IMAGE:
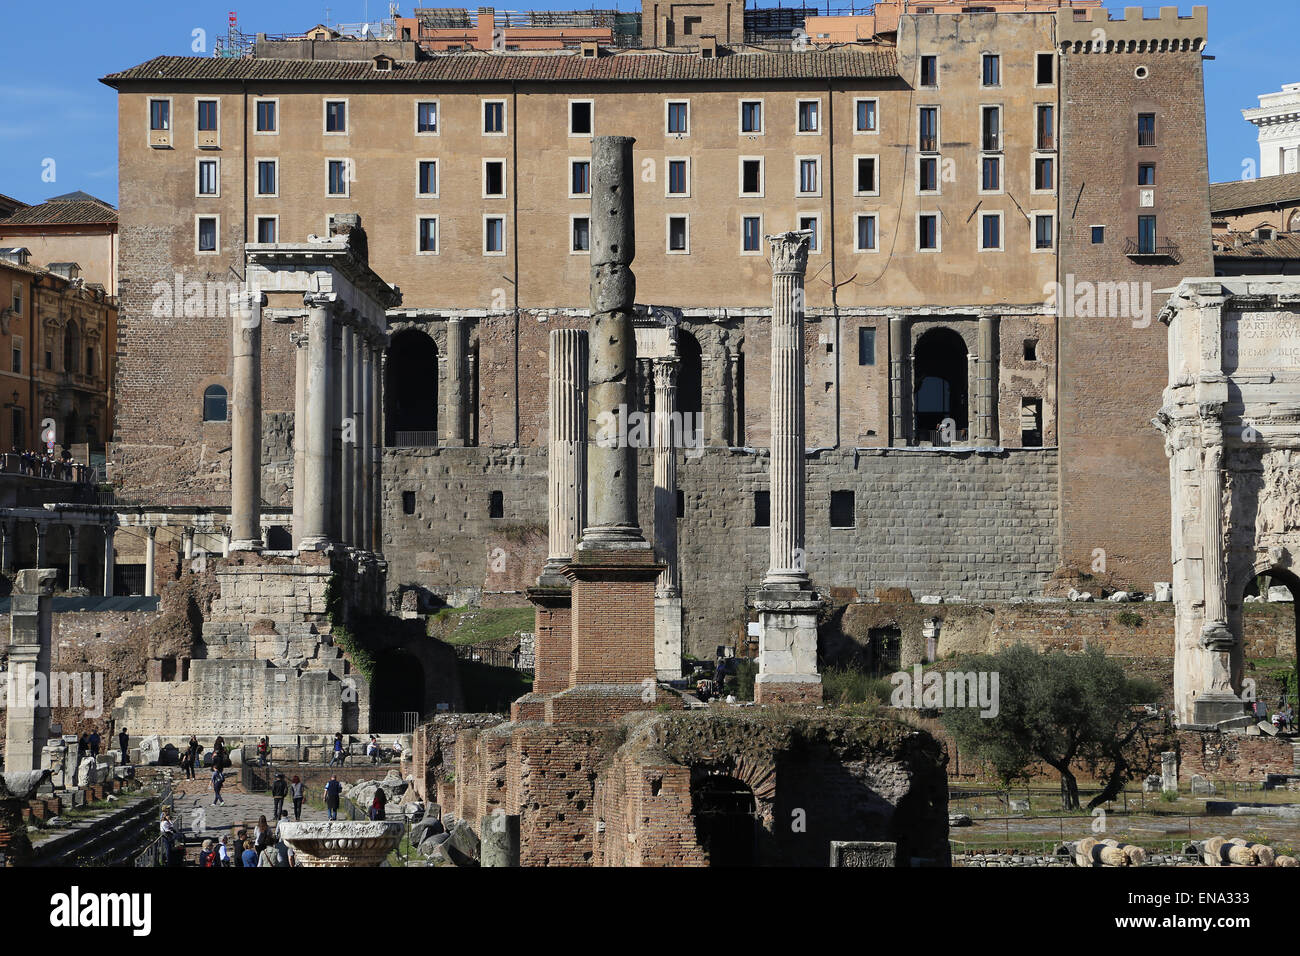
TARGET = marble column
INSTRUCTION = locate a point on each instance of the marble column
(334, 463)
(986, 384)
(454, 406)
(668, 591)
(109, 531)
(376, 446)
(150, 557)
(347, 445)
(320, 385)
(8, 542)
(360, 448)
(787, 605)
(187, 543)
(737, 380)
(225, 542)
(899, 414)
(39, 528)
(246, 420)
(74, 578)
(365, 445)
(1217, 701)
(27, 727)
(299, 342)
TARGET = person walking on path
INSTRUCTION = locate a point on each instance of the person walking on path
(261, 834)
(249, 856)
(337, 758)
(298, 791)
(218, 778)
(378, 804)
(94, 743)
(122, 741)
(333, 790)
(279, 790)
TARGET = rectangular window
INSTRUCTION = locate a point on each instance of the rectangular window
(336, 116)
(494, 178)
(1031, 422)
(991, 129)
(809, 224)
(1146, 129)
(752, 234)
(1147, 174)
(494, 117)
(1147, 235)
(1044, 174)
(842, 509)
(808, 177)
(929, 71)
(1045, 69)
(991, 174)
(866, 232)
(494, 235)
(1043, 232)
(426, 117)
(679, 117)
(762, 509)
(160, 115)
(428, 184)
(581, 234)
(408, 502)
(1045, 127)
(929, 129)
(266, 178)
(991, 231)
(16, 423)
(864, 183)
(751, 116)
(678, 181)
(809, 116)
(207, 234)
(927, 231)
(866, 345)
(338, 177)
(266, 118)
(207, 115)
(927, 174)
(678, 238)
(991, 72)
(1098, 235)
(865, 119)
(207, 185)
(18, 299)
(580, 117)
(428, 227)
(751, 177)
(496, 505)
(17, 359)
(1031, 350)
(266, 228)
(580, 177)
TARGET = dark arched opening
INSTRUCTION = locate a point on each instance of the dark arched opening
(941, 390)
(690, 377)
(411, 390)
(726, 823)
(1277, 683)
(214, 404)
(396, 692)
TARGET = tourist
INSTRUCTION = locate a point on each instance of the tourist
(249, 856)
(217, 780)
(168, 831)
(122, 740)
(377, 805)
(261, 834)
(93, 742)
(279, 790)
(208, 855)
(372, 749)
(196, 752)
(83, 744)
(298, 792)
(338, 751)
(223, 852)
(333, 790)
(263, 751)
(187, 763)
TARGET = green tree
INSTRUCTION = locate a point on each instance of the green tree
(1061, 709)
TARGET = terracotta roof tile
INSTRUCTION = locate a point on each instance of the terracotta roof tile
(1249, 193)
(1285, 245)
(63, 212)
(475, 67)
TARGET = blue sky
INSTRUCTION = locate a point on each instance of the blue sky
(57, 120)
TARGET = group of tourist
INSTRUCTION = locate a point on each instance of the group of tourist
(90, 744)
(295, 789)
(44, 465)
(261, 848)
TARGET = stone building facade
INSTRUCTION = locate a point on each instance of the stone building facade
(935, 382)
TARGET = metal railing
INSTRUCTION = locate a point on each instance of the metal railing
(415, 439)
(394, 721)
(1138, 249)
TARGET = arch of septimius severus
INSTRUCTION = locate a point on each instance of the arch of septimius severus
(1231, 420)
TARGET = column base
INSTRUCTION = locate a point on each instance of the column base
(249, 544)
(1213, 707)
(316, 543)
(612, 621)
(788, 689)
(787, 649)
(668, 638)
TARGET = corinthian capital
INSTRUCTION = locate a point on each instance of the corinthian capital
(789, 253)
(319, 300)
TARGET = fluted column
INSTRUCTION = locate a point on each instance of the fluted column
(150, 556)
(360, 411)
(664, 371)
(986, 383)
(376, 447)
(566, 462)
(347, 445)
(454, 407)
(109, 530)
(299, 342)
(364, 444)
(898, 395)
(74, 578)
(786, 560)
(246, 420)
(7, 544)
(320, 385)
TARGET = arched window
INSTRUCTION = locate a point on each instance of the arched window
(214, 404)
(411, 392)
(939, 380)
(690, 376)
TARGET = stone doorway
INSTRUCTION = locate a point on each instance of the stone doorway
(726, 820)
